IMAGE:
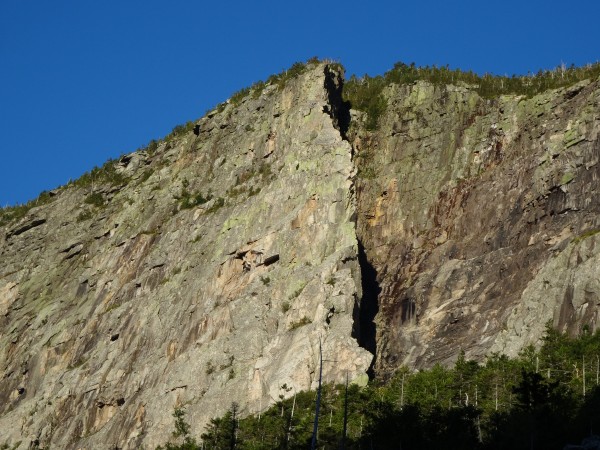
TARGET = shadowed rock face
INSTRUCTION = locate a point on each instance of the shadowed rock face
(479, 218)
(208, 273)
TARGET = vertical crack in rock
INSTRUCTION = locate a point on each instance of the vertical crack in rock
(339, 109)
(364, 330)
(207, 301)
(195, 300)
(369, 306)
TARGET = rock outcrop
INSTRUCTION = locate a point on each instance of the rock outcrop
(206, 270)
(209, 278)
(479, 218)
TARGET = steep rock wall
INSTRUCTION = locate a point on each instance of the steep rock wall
(209, 270)
(479, 218)
(120, 302)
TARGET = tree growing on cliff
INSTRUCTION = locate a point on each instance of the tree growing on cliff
(221, 432)
(533, 400)
(181, 432)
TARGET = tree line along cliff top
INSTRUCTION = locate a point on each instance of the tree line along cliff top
(361, 93)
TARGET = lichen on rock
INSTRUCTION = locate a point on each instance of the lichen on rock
(206, 268)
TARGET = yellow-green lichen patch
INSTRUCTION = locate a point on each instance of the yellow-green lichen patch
(567, 178)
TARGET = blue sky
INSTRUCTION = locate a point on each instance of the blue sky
(82, 81)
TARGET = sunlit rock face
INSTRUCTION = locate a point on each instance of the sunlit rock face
(210, 268)
(208, 276)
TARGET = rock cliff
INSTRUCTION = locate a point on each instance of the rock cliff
(207, 269)
(207, 275)
(479, 219)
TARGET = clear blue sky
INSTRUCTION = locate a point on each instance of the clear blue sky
(82, 81)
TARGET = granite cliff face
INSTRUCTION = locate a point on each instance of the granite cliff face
(479, 218)
(211, 268)
(113, 314)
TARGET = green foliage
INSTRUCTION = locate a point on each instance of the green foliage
(236, 99)
(179, 131)
(367, 172)
(189, 200)
(222, 433)
(181, 433)
(96, 199)
(365, 94)
(500, 404)
(151, 147)
(279, 80)
(257, 89)
(366, 166)
(107, 174)
(277, 428)
(182, 429)
(563, 358)
(84, 215)
(13, 213)
(242, 185)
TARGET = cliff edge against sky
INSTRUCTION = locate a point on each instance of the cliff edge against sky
(207, 268)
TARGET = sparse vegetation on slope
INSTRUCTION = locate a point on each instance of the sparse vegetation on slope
(107, 174)
(12, 213)
(279, 80)
(365, 93)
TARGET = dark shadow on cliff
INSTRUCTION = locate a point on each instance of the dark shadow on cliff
(369, 306)
(338, 109)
